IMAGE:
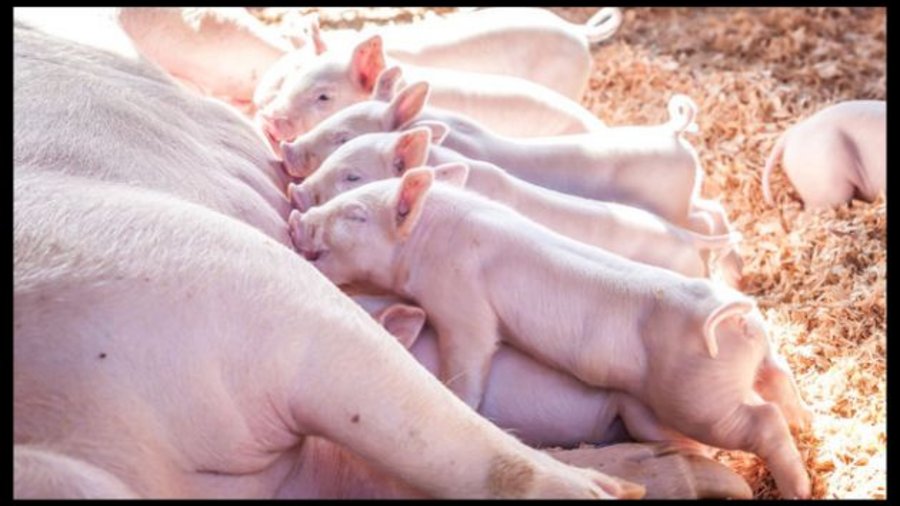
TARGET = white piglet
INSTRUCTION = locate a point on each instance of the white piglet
(527, 42)
(625, 230)
(696, 353)
(541, 405)
(835, 155)
(337, 79)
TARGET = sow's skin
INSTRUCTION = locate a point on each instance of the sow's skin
(835, 155)
(203, 36)
(546, 407)
(337, 79)
(168, 341)
(696, 353)
(526, 42)
(624, 230)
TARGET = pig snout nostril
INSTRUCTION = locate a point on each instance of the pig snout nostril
(312, 256)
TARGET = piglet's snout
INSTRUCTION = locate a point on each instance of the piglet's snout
(301, 197)
(296, 158)
(276, 127)
(265, 127)
(303, 235)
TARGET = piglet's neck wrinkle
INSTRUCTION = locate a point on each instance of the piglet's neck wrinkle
(440, 219)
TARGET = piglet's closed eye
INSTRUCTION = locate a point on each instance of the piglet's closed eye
(355, 212)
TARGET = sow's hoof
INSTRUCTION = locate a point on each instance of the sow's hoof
(666, 471)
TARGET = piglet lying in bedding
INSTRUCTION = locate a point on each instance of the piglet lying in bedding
(621, 229)
(834, 155)
(696, 353)
(337, 79)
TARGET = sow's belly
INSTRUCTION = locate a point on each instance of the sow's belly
(104, 116)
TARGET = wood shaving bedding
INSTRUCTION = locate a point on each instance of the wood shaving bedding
(818, 276)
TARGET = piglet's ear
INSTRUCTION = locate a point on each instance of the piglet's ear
(387, 82)
(315, 34)
(439, 130)
(411, 195)
(403, 322)
(367, 62)
(456, 173)
(411, 149)
(406, 106)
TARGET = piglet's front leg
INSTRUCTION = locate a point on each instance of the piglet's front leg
(467, 341)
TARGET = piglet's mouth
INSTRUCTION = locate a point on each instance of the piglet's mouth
(313, 255)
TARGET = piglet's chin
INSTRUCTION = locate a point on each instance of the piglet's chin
(271, 134)
(326, 268)
(296, 231)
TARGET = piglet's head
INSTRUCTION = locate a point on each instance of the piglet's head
(307, 152)
(301, 92)
(370, 157)
(355, 237)
(270, 84)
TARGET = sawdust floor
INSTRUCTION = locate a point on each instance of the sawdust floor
(819, 277)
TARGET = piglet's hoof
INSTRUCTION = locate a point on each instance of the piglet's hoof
(667, 472)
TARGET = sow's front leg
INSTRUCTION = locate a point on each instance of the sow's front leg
(240, 347)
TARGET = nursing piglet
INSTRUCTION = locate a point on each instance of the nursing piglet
(835, 155)
(540, 405)
(337, 79)
(696, 353)
(628, 231)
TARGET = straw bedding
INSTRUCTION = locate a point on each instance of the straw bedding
(819, 277)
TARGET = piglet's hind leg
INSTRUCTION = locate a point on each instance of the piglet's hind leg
(762, 429)
(775, 383)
